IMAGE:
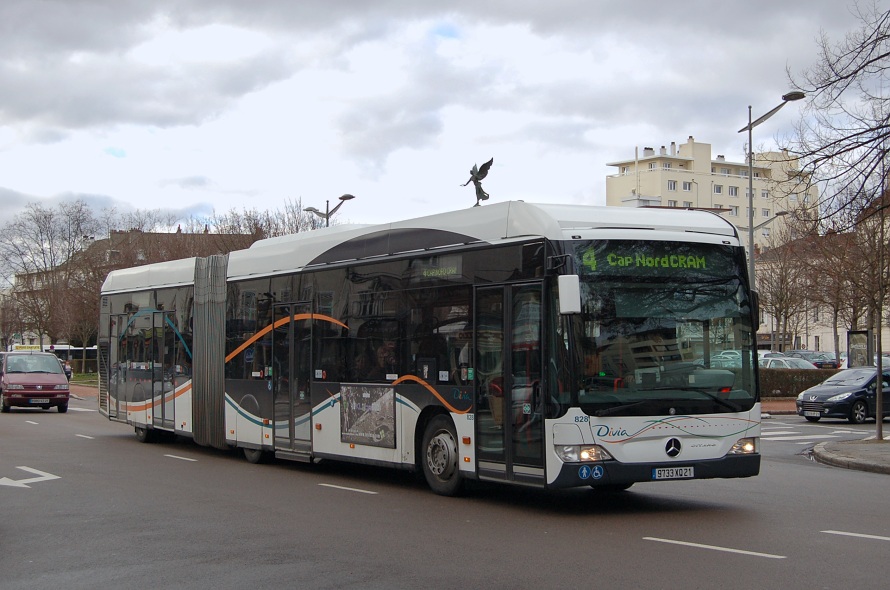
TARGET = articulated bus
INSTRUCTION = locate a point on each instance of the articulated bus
(541, 345)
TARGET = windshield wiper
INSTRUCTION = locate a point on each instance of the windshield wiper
(616, 409)
(719, 400)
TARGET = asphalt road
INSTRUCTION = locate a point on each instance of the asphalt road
(102, 510)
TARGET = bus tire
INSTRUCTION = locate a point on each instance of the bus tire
(440, 456)
(144, 434)
(255, 456)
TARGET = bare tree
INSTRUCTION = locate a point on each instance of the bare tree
(782, 284)
(842, 143)
(842, 138)
(34, 248)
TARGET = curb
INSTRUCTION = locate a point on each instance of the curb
(822, 455)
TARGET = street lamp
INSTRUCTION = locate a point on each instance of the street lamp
(327, 210)
(796, 95)
(770, 220)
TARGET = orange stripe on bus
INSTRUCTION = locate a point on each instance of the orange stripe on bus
(432, 390)
(281, 322)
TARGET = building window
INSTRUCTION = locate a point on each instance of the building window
(672, 185)
(687, 204)
(766, 232)
(672, 203)
(724, 171)
(666, 165)
(718, 206)
(687, 186)
(625, 170)
(718, 189)
(652, 165)
(733, 211)
(733, 191)
(765, 212)
(792, 197)
(764, 194)
(757, 175)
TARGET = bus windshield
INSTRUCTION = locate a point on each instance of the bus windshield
(665, 329)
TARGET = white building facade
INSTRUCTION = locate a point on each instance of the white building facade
(688, 176)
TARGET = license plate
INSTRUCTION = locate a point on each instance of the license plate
(812, 413)
(673, 473)
(39, 401)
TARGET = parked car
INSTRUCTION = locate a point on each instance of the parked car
(848, 394)
(33, 379)
(786, 363)
(820, 359)
(762, 354)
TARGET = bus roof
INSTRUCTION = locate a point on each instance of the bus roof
(490, 224)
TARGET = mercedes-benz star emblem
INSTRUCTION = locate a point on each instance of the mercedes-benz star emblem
(672, 448)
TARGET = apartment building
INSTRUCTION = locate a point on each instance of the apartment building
(689, 176)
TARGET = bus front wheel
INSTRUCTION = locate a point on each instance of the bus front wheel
(440, 457)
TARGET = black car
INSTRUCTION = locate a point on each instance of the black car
(820, 359)
(847, 394)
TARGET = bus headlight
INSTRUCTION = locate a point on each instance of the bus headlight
(581, 453)
(744, 446)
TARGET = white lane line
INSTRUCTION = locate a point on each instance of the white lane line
(84, 436)
(801, 437)
(328, 485)
(32, 422)
(764, 433)
(181, 458)
(715, 548)
(72, 409)
(861, 535)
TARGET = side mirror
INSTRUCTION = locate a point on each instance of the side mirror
(569, 294)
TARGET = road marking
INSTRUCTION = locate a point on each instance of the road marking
(861, 535)
(85, 436)
(715, 548)
(72, 409)
(32, 422)
(801, 437)
(765, 434)
(328, 485)
(181, 458)
(23, 483)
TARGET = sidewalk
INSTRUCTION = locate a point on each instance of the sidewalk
(861, 455)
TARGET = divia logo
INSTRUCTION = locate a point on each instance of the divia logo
(589, 259)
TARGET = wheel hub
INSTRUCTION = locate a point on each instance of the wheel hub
(441, 455)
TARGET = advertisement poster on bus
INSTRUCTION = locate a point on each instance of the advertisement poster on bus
(368, 415)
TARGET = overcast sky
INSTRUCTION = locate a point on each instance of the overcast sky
(202, 106)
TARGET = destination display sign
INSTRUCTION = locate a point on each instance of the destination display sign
(654, 258)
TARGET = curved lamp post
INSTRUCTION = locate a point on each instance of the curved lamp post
(328, 212)
(796, 95)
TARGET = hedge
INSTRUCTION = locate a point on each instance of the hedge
(790, 382)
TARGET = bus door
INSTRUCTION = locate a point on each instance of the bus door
(162, 353)
(291, 352)
(508, 362)
(116, 356)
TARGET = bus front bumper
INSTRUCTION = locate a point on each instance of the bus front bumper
(613, 473)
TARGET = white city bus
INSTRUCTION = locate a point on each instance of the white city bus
(543, 345)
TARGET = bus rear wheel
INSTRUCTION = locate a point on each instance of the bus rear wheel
(144, 434)
(440, 457)
(255, 456)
